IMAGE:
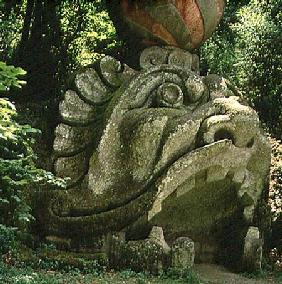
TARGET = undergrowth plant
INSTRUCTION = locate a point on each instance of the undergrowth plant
(18, 172)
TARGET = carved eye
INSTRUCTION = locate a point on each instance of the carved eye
(169, 95)
(195, 88)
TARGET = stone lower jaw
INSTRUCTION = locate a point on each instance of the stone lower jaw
(225, 160)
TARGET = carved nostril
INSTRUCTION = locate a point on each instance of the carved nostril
(251, 143)
(222, 134)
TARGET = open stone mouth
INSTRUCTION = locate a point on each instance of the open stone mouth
(223, 161)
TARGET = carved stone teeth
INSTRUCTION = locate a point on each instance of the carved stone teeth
(181, 190)
(245, 192)
(249, 183)
(239, 175)
(249, 214)
(216, 173)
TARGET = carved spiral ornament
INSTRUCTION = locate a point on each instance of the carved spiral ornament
(182, 23)
(170, 95)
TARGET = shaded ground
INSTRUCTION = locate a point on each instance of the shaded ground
(209, 274)
(214, 274)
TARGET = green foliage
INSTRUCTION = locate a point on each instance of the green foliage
(7, 239)
(45, 265)
(247, 49)
(16, 167)
(25, 276)
(275, 198)
(261, 56)
(188, 276)
(88, 30)
(9, 77)
(16, 155)
(18, 173)
(48, 258)
(11, 18)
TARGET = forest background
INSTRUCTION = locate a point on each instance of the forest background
(49, 39)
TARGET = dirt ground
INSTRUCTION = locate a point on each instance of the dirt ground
(214, 274)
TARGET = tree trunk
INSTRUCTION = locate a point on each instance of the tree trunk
(19, 52)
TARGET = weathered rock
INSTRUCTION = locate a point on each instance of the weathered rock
(155, 56)
(72, 139)
(182, 254)
(142, 256)
(75, 111)
(157, 236)
(252, 255)
(170, 147)
(74, 167)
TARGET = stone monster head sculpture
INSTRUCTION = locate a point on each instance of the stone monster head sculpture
(163, 145)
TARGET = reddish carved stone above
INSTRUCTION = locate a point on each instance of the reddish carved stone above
(183, 23)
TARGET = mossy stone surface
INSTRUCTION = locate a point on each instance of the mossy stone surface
(176, 149)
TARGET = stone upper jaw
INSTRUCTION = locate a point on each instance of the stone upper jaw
(175, 159)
